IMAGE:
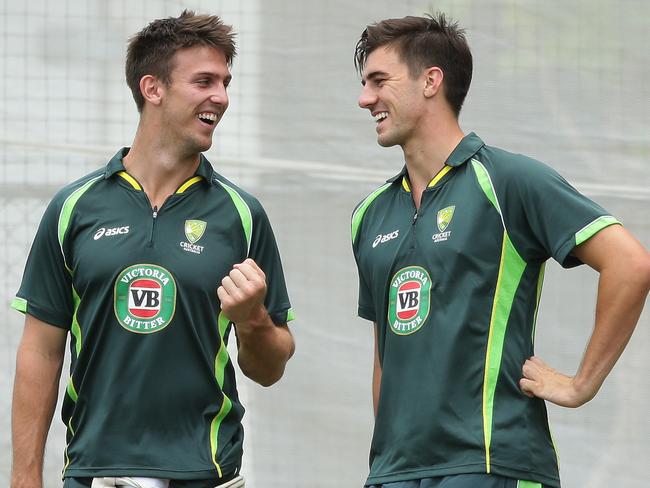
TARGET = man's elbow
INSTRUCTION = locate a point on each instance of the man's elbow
(638, 270)
(265, 377)
(643, 271)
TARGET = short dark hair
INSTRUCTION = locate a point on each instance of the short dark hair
(422, 42)
(151, 50)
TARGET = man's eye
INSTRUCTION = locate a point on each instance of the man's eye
(203, 82)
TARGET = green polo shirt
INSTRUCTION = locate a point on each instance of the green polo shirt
(454, 290)
(152, 388)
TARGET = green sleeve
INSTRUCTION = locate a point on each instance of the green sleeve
(264, 251)
(544, 215)
(366, 307)
(46, 288)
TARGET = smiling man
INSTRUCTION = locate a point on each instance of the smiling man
(147, 265)
(451, 255)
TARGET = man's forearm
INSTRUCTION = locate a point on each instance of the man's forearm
(621, 296)
(264, 348)
(34, 399)
(624, 267)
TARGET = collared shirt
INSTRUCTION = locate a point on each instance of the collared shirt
(454, 289)
(152, 387)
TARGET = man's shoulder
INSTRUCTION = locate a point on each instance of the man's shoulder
(507, 165)
(77, 186)
(371, 200)
(236, 193)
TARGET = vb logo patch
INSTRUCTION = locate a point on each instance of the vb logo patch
(409, 300)
(443, 220)
(145, 298)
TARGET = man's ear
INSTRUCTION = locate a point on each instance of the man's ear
(151, 89)
(433, 81)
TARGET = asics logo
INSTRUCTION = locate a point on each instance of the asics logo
(113, 231)
(380, 239)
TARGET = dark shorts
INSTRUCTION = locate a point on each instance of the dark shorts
(211, 483)
(463, 481)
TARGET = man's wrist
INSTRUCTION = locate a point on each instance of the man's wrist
(585, 390)
(27, 480)
(258, 322)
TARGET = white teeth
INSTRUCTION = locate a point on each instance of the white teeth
(381, 116)
(208, 116)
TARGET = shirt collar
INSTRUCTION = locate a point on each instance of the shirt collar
(115, 165)
(463, 152)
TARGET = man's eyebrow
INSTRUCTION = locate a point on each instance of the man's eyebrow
(372, 75)
(211, 74)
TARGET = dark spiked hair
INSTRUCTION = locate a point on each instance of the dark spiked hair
(151, 50)
(422, 42)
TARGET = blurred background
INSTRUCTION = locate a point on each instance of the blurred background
(564, 82)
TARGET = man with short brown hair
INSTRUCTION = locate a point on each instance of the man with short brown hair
(451, 254)
(149, 264)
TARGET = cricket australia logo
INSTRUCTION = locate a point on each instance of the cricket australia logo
(194, 230)
(145, 298)
(443, 220)
(409, 300)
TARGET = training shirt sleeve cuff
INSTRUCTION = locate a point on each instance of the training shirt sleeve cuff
(564, 256)
(284, 317)
(24, 306)
(367, 314)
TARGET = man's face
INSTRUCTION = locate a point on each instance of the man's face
(395, 100)
(196, 98)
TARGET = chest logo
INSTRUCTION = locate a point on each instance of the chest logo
(409, 300)
(104, 232)
(145, 298)
(443, 220)
(194, 230)
(380, 239)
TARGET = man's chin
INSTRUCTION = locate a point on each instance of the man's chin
(201, 146)
(386, 142)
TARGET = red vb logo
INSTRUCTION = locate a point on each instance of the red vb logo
(409, 300)
(144, 298)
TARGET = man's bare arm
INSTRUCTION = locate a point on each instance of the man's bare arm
(376, 374)
(36, 385)
(624, 267)
(264, 348)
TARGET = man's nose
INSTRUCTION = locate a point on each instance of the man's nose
(366, 98)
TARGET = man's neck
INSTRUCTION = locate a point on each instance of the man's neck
(425, 156)
(157, 167)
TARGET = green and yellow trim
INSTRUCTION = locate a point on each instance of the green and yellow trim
(244, 213)
(66, 213)
(130, 179)
(591, 229)
(528, 484)
(189, 183)
(75, 329)
(221, 361)
(434, 180)
(137, 186)
(72, 391)
(291, 315)
(358, 214)
(511, 269)
(19, 304)
(540, 283)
